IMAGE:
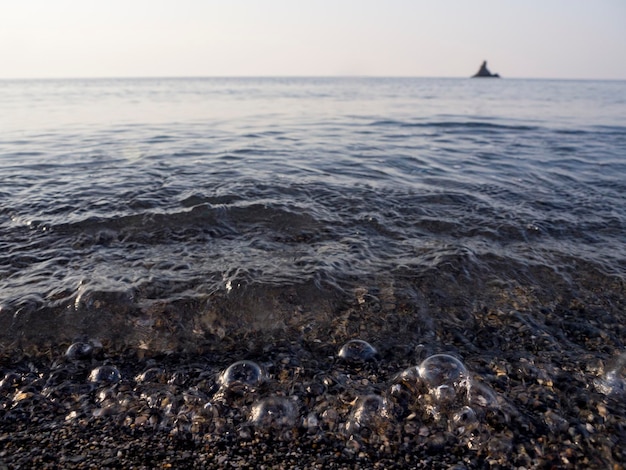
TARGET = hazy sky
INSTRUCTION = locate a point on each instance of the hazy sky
(432, 38)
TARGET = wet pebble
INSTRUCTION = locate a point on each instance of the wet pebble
(105, 374)
(10, 380)
(152, 375)
(79, 351)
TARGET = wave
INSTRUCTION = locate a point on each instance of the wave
(456, 125)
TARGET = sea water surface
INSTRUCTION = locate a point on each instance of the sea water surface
(276, 219)
(123, 196)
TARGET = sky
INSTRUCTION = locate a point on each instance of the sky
(573, 39)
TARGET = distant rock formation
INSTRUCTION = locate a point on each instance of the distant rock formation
(484, 72)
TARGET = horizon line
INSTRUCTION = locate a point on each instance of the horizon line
(187, 77)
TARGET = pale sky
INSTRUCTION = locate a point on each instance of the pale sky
(422, 38)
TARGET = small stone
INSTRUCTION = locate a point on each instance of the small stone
(105, 374)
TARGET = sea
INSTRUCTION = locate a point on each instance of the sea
(119, 195)
(480, 218)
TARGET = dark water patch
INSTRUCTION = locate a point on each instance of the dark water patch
(199, 199)
(570, 131)
(23, 154)
(467, 126)
(188, 154)
(160, 138)
(617, 131)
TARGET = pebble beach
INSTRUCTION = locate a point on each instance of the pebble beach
(253, 402)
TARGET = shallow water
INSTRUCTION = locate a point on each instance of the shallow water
(484, 219)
